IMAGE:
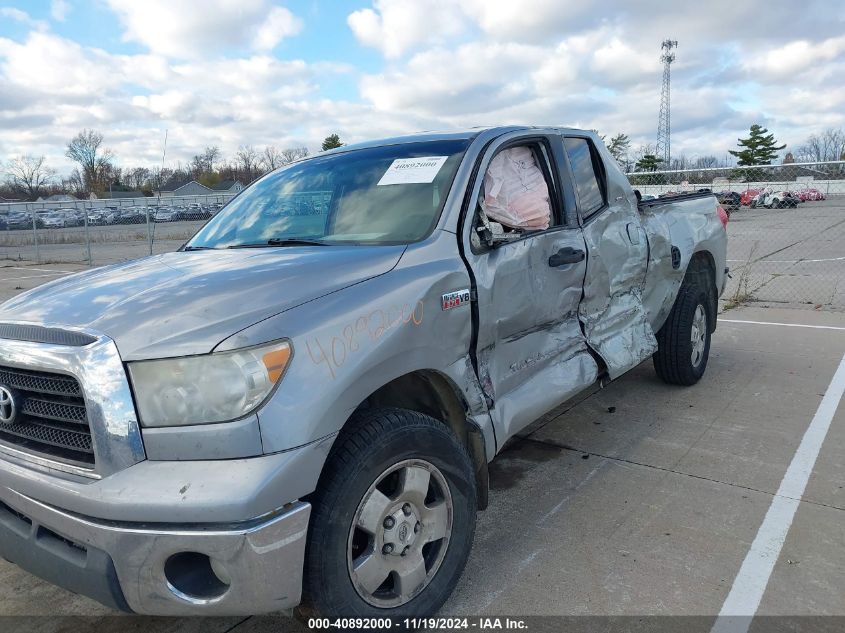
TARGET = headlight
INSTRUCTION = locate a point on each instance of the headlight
(208, 388)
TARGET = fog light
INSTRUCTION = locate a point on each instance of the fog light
(193, 576)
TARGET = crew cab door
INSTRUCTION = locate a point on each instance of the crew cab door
(531, 354)
(612, 312)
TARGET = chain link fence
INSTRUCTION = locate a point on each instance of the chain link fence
(786, 237)
(97, 232)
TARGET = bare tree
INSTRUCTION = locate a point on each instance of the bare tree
(293, 153)
(705, 162)
(827, 146)
(137, 178)
(248, 162)
(210, 156)
(74, 183)
(29, 175)
(679, 163)
(198, 166)
(85, 149)
(271, 158)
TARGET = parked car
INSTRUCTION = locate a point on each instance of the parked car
(807, 194)
(302, 407)
(20, 220)
(747, 196)
(55, 220)
(771, 199)
(165, 214)
(73, 217)
(191, 212)
(110, 215)
(131, 215)
(730, 200)
(96, 217)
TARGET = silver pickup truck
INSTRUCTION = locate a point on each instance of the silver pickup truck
(298, 406)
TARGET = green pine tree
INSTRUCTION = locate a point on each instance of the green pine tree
(649, 162)
(331, 141)
(760, 148)
(619, 146)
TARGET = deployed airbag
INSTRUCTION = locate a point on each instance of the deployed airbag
(515, 190)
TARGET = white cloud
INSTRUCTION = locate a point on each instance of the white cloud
(473, 78)
(395, 26)
(526, 20)
(17, 15)
(59, 10)
(183, 29)
(211, 76)
(279, 24)
(797, 57)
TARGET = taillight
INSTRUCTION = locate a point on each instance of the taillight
(723, 216)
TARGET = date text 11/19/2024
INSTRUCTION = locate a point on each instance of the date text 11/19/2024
(420, 624)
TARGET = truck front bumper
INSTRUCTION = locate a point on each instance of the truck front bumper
(161, 569)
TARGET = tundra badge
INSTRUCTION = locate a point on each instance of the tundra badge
(455, 299)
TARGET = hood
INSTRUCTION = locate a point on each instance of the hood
(185, 303)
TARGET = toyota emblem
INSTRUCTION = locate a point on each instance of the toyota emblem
(8, 406)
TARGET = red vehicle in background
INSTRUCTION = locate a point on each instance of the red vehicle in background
(747, 196)
(806, 194)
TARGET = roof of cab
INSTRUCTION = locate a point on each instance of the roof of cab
(421, 137)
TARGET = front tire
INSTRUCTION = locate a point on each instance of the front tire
(392, 521)
(683, 343)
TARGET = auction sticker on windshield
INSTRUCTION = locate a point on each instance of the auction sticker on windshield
(406, 171)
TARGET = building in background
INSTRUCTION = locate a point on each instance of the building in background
(190, 188)
(59, 197)
(228, 186)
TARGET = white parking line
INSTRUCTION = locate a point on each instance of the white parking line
(43, 270)
(34, 277)
(753, 577)
(814, 327)
(788, 261)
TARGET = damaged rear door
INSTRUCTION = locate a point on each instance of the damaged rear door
(531, 352)
(612, 312)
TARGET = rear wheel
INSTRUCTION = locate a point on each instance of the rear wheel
(393, 519)
(683, 343)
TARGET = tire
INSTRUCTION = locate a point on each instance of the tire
(682, 348)
(369, 479)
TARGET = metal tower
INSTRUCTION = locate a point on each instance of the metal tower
(663, 129)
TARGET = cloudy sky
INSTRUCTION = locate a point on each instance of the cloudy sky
(260, 72)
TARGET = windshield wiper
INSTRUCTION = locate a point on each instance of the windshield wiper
(283, 241)
(198, 248)
(294, 241)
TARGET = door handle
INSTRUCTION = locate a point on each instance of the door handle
(566, 255)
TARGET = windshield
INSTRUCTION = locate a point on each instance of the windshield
(382, 195)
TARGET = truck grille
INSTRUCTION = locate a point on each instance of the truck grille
(51, 417)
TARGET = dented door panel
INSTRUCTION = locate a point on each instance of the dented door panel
(532, 354)
(611, 311)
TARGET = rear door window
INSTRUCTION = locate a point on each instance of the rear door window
(586, 171)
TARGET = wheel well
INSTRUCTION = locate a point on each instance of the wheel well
(435, 395)
(702, 270)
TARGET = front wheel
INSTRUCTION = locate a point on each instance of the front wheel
(392, 521)
(683, 343)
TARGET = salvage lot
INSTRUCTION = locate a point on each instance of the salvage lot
(790, 255)
(638, 499)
